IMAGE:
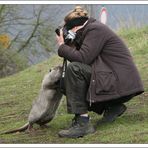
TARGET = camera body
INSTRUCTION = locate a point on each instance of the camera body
(68, 35)
(57, 30)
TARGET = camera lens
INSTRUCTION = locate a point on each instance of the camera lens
(57, 31)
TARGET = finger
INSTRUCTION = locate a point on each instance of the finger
(57, 36)
(61, 32)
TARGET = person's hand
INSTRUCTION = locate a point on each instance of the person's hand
(60, 39)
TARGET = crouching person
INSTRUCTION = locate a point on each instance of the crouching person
(101, 75)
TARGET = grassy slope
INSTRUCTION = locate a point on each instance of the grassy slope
(18, 91)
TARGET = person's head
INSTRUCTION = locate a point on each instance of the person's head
(76, 17)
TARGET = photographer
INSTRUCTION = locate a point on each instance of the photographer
(97, 77)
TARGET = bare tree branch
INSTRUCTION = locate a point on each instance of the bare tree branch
(33, 32)
(14, 40)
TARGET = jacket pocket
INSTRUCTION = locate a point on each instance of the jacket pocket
(105, 82)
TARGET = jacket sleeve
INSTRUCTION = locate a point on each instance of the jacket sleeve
(92, 45)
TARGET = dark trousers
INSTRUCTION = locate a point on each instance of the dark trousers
(77, 80)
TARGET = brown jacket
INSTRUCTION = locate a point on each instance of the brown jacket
(114, 74)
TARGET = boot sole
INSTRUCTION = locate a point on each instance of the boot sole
(91, 131)
(122, 111)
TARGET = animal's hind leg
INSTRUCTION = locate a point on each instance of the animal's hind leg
(30, 128)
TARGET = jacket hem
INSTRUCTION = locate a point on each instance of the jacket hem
(133, 92)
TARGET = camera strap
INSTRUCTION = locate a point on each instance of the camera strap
(64, 67)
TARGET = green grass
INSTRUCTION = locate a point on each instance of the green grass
(18, 91)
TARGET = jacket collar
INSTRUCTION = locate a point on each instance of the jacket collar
(78, 40)
(90, 20)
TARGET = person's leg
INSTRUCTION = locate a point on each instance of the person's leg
(77, 81)
(97, 107)
(115, 108)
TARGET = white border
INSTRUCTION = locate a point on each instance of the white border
(74, 2)
(74, 145)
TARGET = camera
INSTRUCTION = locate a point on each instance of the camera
(57, 30)
(68, 35)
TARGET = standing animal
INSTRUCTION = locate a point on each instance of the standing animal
(44, 107)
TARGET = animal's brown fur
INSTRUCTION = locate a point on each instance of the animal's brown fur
(45, 106)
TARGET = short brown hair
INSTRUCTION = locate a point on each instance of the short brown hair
(78, 12)
(76, 17)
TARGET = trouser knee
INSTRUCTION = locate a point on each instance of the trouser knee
(73, 67)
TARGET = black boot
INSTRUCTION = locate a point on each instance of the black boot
(80, 127)
(112, 112)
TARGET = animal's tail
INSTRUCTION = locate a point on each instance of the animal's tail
(21, 129)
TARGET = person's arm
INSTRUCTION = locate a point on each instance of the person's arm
(91, 47)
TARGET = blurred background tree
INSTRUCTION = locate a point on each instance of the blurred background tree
(27, 31)
(23, 38)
